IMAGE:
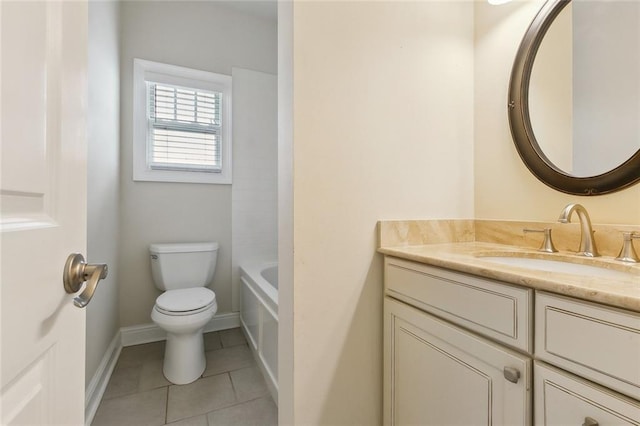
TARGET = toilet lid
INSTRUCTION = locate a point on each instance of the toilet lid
(187, 299)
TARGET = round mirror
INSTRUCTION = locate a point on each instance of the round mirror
(574, 96)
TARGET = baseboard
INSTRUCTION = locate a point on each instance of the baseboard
(140, 334)
(223, 322)
(98, 384)
(147, 333)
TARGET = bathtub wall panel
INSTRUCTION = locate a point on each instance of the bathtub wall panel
(250, 315)
(260, 324)
(269, 342)
(255, 161)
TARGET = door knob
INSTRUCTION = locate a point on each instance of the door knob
(511, 374)
(76, 272)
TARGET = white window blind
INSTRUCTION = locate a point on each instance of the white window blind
(185, 128)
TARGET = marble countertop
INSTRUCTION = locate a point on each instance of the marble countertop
(468, 257)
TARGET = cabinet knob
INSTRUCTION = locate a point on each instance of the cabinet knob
(588, 421)
(511, 374)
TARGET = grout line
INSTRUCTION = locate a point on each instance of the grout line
(166, 407)
(235, 393)
(191, 417)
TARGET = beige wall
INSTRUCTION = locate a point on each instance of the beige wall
(382, 130)
(504, 188)
(208, 36)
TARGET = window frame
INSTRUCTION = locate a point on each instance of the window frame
(157, 72)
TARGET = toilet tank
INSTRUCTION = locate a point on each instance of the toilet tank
(184, 265)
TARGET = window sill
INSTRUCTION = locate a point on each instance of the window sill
(181, 177)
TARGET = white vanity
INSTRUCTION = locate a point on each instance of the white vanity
(469, 348)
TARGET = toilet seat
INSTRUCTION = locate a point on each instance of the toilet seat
(188, 301)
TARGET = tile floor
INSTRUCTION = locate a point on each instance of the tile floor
(231, 390)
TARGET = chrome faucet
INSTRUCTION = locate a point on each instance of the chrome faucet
(587, 242)
(627, 252)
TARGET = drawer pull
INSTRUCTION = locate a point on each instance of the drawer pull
(588, 421)
(513, 375)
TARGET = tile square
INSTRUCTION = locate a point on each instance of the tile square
(132, 356)
(258, 412)
(139, 409)
(212, 341)
(228, 359)
(199, 397)
(232, 337)
(249, 383)
(124, 381)
(151, 375)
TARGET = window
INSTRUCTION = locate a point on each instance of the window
(184, 130)
(182, 124)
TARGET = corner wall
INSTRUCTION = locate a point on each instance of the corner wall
(383, 129)
(103, 176)
(504, 187)
(208, 36)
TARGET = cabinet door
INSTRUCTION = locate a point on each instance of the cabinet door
(438, 374)
(564, 399)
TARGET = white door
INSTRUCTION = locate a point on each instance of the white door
(437, 374)
(43, 209)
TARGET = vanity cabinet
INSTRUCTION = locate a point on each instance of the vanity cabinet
(459, 349)
(437, 373)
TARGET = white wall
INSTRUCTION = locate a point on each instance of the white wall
(383, 129)
(255, 171)
(209, 36)
(103, 176)
(285, 214)
(504, 187)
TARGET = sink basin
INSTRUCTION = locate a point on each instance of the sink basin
(558, 266)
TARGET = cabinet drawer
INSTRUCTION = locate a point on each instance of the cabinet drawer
(594, 341)
(564, 399)
(499, 311)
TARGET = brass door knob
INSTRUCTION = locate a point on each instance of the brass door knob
(76, 272)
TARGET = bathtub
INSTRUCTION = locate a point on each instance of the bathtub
(259, 317)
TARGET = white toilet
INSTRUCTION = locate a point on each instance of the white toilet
(182, 271)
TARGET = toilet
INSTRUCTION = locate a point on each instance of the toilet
(182, 272)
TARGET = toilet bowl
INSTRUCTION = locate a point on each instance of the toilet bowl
(185, 307)
(183, 315)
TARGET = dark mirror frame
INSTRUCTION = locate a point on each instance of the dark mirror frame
(623, 176)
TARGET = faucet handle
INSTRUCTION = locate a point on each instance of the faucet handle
(547, 244)
(628, 252)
